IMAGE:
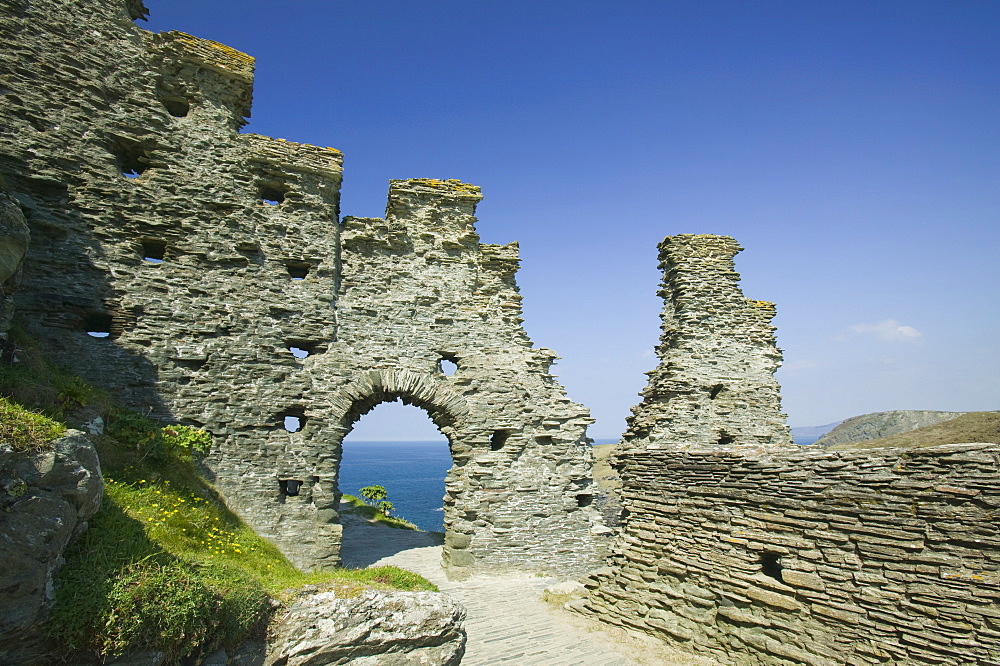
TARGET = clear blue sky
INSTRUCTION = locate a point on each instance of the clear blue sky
(852, 147)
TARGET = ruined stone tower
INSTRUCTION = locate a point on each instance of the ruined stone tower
(715, 385)
(178, 262)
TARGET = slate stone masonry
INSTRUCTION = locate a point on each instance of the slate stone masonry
(715, 385)
(821, 558)
(206, 277)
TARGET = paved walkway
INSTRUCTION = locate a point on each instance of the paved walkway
(507, 622)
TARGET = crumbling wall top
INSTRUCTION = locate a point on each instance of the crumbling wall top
(302, 157)
(207, 53)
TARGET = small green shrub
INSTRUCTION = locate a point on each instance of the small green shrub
(25, 430)
(186, 439)
(131, 428)
(373, 494)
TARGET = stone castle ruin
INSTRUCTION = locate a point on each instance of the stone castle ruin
(231, 296)
(740, 546)
(715, 385)
(207, 277)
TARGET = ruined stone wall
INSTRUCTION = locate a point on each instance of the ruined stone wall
(715, 385)
(885, 557)
(754, 552)
(201, 258)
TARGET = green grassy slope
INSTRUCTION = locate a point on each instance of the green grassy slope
(164, 564)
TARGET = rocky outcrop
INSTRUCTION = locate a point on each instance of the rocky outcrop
(883, 424)
(46, 499)
(13, 244)
(399, 628)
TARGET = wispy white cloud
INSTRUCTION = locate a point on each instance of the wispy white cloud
(889, 330)
(802, 364)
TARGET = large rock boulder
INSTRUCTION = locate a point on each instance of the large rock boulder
(46, 499)
(385, 628)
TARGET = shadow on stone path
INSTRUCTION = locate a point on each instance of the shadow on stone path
(507, 621)
(363, 543)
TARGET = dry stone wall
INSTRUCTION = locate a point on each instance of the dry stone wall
(715, 385)
(821, 558)
(205, 276)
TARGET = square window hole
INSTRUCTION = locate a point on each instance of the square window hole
(293, 420)
(448, 365)
(298, 270)
(178, 107)
(498, 439)
(153, 251)
(272, 195)
(97, 324)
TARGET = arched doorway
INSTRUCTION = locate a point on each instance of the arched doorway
(398, 447)
(517, 496)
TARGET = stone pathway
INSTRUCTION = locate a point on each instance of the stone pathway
(507, 622)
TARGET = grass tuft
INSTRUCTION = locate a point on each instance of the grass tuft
(373, 515)
(24, 430)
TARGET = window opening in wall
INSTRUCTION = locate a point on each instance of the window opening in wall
(178, 107)
(272, 195)
(770, 564)
(98, 324)
(298, 269)
(498, 439)
(398, 447)
(715, 391)
(293, 421)
(153, 251)
(448, 365)
(132, 160)
(289, 487)
(725, 438)
(584, 499)
(301, 348)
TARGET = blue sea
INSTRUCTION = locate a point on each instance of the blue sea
(412, 473)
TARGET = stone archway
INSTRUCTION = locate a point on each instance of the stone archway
(446, 408)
